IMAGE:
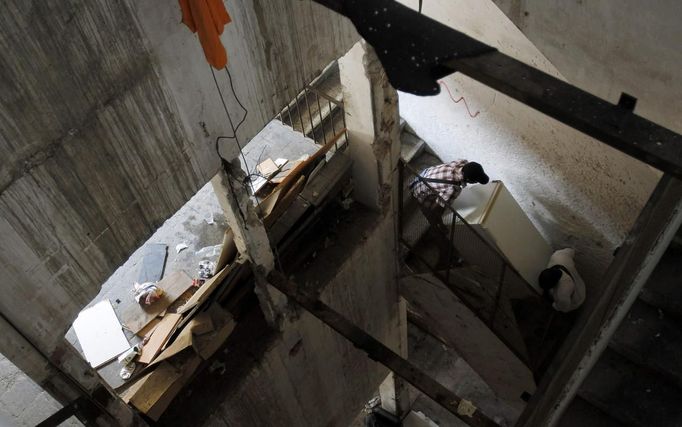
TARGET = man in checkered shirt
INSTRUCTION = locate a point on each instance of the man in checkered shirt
(437, 186)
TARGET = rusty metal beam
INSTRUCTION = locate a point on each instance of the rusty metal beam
(416, 51)
(380, 353)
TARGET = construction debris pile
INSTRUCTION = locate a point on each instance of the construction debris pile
(173, 324)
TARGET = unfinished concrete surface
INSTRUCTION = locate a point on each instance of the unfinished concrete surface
(578, 192)
(110, 115)
(611, 46)
(23, 403)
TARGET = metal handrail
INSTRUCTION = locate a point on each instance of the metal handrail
(485, 241)
(507, 273)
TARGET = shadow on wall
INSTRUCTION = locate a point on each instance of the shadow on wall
(595, 253)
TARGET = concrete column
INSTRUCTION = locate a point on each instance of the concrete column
(394, 391)
(249, 234)
(373, 123)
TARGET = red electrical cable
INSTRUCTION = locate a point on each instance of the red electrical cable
(457, 101)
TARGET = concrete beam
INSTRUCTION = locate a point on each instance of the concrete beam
(250, 236)
(377, 351)
(373, 123)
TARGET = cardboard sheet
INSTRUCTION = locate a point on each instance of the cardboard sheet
(201, 324)
(153, 393)
(100, 334)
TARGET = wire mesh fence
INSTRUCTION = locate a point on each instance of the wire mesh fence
(465, 259)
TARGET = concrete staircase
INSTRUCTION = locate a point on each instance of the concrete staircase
(638, 380)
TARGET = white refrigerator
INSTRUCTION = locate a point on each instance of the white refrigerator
(492, 210)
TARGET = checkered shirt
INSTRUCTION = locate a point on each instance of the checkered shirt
(449, 171)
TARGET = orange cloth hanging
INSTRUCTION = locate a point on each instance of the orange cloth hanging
(207, 18)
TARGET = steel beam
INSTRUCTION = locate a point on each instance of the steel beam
(416, 51)
(614, 125)
(378, 352)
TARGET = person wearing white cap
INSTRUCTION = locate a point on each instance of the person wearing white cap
(561, 282)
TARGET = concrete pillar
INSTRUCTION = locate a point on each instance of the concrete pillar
(373, 123)
(394, 391)
(249, 234)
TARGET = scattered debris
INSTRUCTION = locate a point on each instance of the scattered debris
(147, 293)
(129, 355)
(373, 403)
(208, 252)
(346, 203)
(206, 269)
(180, 247)
(174, 285)
(217, 365)
(127, 371)
(209, 219)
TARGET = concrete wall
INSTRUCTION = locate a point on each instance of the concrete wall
(611, 46)
(107, 123)
(578, 192)
(311, 375)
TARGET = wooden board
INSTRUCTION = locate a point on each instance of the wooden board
(206, 289)
(100, 334)
(159, 337)
(228, 250)
(201, 324)
(135, 316)
(282, 175)
(284, 202)
(128, 393)
(187, 369)
(153, 386)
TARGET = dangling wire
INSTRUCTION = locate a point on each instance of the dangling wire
(458, 100)
(234, 128)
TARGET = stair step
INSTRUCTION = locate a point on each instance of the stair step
(581, 413)
(663, 289)
(631, 393)
(648, 337)
(410, 146)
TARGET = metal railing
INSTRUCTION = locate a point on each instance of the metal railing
(485, 281)
(316, 113)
